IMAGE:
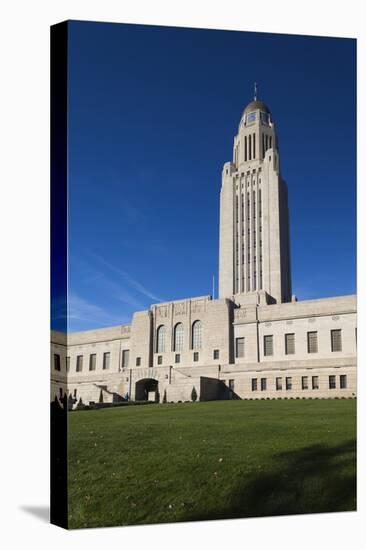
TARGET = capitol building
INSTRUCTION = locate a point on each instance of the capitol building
(256, 341)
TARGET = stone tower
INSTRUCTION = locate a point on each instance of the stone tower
(254, 226)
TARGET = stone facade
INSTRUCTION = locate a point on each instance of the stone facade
(255, 342)
(219, 368)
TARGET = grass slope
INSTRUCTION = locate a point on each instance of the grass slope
(199, 461)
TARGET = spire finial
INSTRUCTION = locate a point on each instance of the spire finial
(255, 91)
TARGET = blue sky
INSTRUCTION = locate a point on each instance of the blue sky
(152, 116)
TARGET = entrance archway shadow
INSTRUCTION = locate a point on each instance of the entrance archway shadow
(145, 387)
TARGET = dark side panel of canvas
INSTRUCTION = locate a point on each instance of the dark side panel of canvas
(59, 258)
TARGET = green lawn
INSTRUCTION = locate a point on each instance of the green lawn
(198, 461)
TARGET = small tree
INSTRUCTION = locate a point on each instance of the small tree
(194, 394)
(101, 396)
(69, 402)
(164, 397)
(80, 404)
(64, 401)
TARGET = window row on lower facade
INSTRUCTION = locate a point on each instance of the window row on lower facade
(80, 363)
(305, 383)
(195, 357)
(290, 343)
(92, 363)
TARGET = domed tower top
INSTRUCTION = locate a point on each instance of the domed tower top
(250, 112)
(256, 105)
(256, 134)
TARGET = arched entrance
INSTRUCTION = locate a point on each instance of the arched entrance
(147, 390)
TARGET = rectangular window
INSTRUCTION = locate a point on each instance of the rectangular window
(231, 385)
(332, 382)
(138, 361)
(56, 361)
(288, 383)
(304, 383)
(279, 383)
(239, 347)
(106, 360)
(290, 344)
(343, 381)
(254, 384)
(312, 342)
(79, 363)
(251, 117)
(160, 359)
(336, 339)
(92, 361)
(196, 356)
(263, 384)
(264, 118)
(177, 357)
(315, 382)
(67, 364)
(125, 358)
(216, 354)
(268, 345)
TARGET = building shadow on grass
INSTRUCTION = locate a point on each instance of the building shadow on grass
(310, 480)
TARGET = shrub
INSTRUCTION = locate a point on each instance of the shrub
(164, 397)
(194, 394)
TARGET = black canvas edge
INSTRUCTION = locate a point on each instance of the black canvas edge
(59, 106)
